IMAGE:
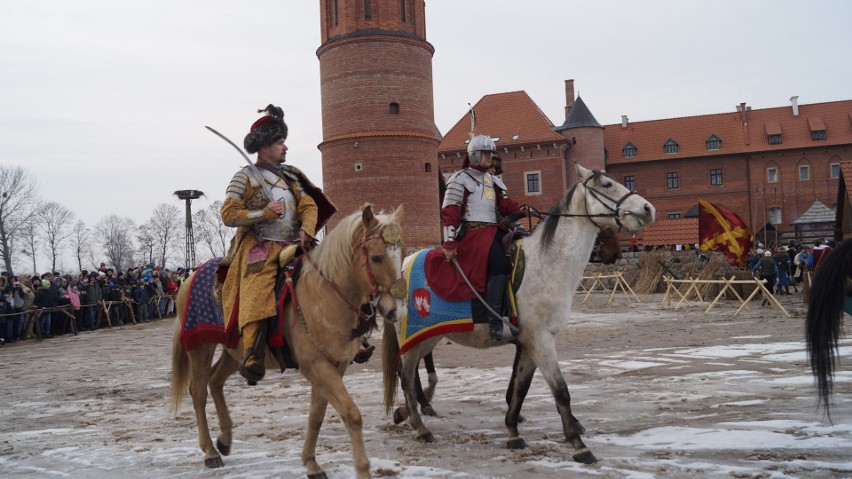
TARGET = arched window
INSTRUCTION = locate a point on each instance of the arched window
(402, 12)
(394, 108)
(368, 12)
(428, 167)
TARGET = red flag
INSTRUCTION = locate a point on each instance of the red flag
(720, 229)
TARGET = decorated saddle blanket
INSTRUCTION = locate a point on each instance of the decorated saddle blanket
(202, 319)
(428, 314)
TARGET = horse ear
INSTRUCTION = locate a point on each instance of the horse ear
(582, 173)
(399, 213)
(367, 218)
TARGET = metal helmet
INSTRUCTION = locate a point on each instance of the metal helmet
(477, 145)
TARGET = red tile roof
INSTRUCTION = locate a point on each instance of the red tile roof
(503, 115)
(692, 133)
(666, 231)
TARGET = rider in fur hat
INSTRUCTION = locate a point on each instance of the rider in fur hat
(268, 228)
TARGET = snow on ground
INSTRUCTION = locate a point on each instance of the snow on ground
(662, 394)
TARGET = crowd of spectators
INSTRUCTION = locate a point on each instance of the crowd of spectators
(99, 298)
(787, 266)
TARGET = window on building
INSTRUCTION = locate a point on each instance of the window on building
(715, 177)
(804, 172)
(630, 182)
(772, 175)
(403, 13)
(670, 147)
(334, 11)
(775, 216)
(629, 151)
(672, 182)
(714, 143)
(774, 139)
(533, 182)
(394, 108)
(674, 216)
(368, 11)
(818, 135)
(834, 170)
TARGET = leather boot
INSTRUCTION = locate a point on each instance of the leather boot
(252, 366)
(501, 330)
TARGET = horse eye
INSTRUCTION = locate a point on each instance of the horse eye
(376, 259)
(607, 184)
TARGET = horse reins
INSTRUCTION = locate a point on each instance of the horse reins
(596, 195)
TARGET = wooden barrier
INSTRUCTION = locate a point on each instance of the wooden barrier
(618, 283)
(672, 286)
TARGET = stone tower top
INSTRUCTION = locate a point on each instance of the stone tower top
(345, 17)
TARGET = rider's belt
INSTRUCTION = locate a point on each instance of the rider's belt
(477, 225)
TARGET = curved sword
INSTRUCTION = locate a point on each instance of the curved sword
(253, 168)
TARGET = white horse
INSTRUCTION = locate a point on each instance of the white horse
(556, 255)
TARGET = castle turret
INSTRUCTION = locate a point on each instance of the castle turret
(379, 136)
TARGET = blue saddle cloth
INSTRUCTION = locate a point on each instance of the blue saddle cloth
(429, 315)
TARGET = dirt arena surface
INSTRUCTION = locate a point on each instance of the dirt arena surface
(662, 393)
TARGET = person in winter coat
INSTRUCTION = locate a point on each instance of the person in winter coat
(43, 300)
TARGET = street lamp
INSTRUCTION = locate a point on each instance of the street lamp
(188, 196)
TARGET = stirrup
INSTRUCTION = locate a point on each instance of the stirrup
(507, 331)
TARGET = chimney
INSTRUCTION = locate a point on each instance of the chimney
(742, 109)
(569, 97)
(794, 102)
(624, 121)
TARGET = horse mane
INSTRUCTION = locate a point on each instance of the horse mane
(333, 255)
(552, 219)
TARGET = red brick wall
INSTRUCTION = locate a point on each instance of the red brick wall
(360, 77)
(586, 148)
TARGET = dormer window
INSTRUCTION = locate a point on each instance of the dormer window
(714, 143)
(817, 127)
(629, 150)
(773, 139)
(818, 135)
(671, 147)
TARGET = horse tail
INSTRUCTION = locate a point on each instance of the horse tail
(390, 361)
(180, 359)
(825, 317)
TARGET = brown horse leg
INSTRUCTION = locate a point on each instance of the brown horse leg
(200, 360)
(226, 366)
(315, 419)
(548, 362)
(327, 383)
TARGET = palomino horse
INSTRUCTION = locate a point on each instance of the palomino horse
(830, 294)
(357, 263)
(556, 254)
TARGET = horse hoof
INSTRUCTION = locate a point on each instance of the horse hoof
(318, 475)
(517, 443)
(428, 411)
(222, 447)
(214, 462)
(399, 415)
(426, 437)
(585, 456)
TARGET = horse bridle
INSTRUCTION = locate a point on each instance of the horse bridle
(615, 208)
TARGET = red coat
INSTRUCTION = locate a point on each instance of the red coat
(471, 253)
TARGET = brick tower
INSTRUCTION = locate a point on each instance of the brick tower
(584, 134)
(380, 143)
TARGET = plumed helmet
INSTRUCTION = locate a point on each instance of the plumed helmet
(266, 130)
(477, 145)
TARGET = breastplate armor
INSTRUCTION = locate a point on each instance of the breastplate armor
(481, 204)
(286, 226)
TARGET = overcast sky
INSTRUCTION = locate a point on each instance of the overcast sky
(105, 102)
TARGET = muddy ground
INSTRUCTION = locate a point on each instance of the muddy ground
(662, 393)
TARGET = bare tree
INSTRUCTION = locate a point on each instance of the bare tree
(115, 236)
(147, 242)
(28, 234)
(164, 226)
(209, 230)
(18, 196)
(80, 242)
(53, 223)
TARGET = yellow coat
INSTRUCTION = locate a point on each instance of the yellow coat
(250, 286)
